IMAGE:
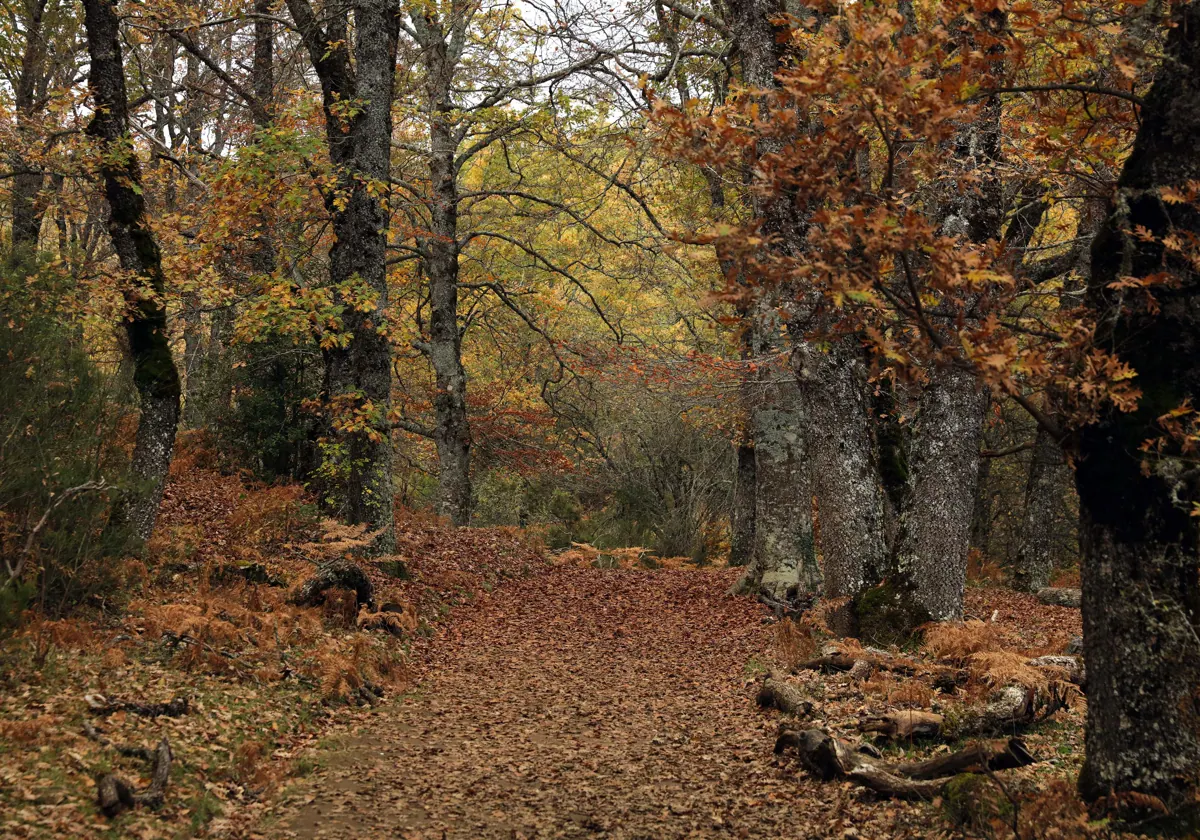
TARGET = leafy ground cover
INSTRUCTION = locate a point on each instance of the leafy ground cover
(209, 619)
(620, 703)
(521, 697)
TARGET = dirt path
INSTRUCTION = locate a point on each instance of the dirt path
(585, 703)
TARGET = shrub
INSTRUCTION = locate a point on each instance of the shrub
(61, 458)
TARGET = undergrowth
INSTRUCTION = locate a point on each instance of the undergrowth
(210, 616)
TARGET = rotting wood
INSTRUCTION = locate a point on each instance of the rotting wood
(904, 725)
(1060, 597)
(777, 693)
(340, 574)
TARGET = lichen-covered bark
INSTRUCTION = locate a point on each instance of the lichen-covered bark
(1141, 580)
(850, 497)
(943, 467)
(935, 530)
(1047, 484)
(452, 429)
(154, 371)
(784, 557)
(358, 375)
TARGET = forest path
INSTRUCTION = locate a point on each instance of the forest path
(581, 703)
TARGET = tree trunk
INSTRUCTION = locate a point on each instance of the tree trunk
(850, 498)
(784, 561)
(936, 523)
(358, 376)
(27, 209)
(1048, 480)
(935, 531)
(262, 82)
(154, 371)
(1141, 593)
(742, 525)
(452, 429)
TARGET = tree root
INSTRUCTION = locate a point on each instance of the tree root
(114, 794)
(829, 758)
(101, 706)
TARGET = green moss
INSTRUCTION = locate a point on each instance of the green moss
(888, 614)
(395, 568)
(972, 802)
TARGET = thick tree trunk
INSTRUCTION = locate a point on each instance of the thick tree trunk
(1048, 481)
(358, 376)
(943, 469)
(154, 370)
(850, 497)
(784, 561)
(935, 528)
(784, 556)
(1141, 592)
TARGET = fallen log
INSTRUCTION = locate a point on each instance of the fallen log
(982, 755)
(776, 693)
(337, 574)
(101, 706)
(830, 758)
(114, 794)
(1008, 710)
(903, 725)
(1057, 596)
(1071, 667)
(835, 660)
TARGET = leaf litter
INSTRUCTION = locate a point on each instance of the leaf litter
(526, 699)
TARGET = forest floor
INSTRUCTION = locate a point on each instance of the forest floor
(610, 703)
(529, 698)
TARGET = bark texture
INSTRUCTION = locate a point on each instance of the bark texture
(154, 371)
(944, 458)
(784, 561)
(784, 554)
(28, 90)
(440, 249)
(936, 528)
(1141, 593)
(358, 372)
(850, 497)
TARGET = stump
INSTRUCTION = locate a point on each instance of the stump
(338, 574)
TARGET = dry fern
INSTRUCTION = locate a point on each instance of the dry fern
(793, 642)
(999, 668)
(959, 640)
